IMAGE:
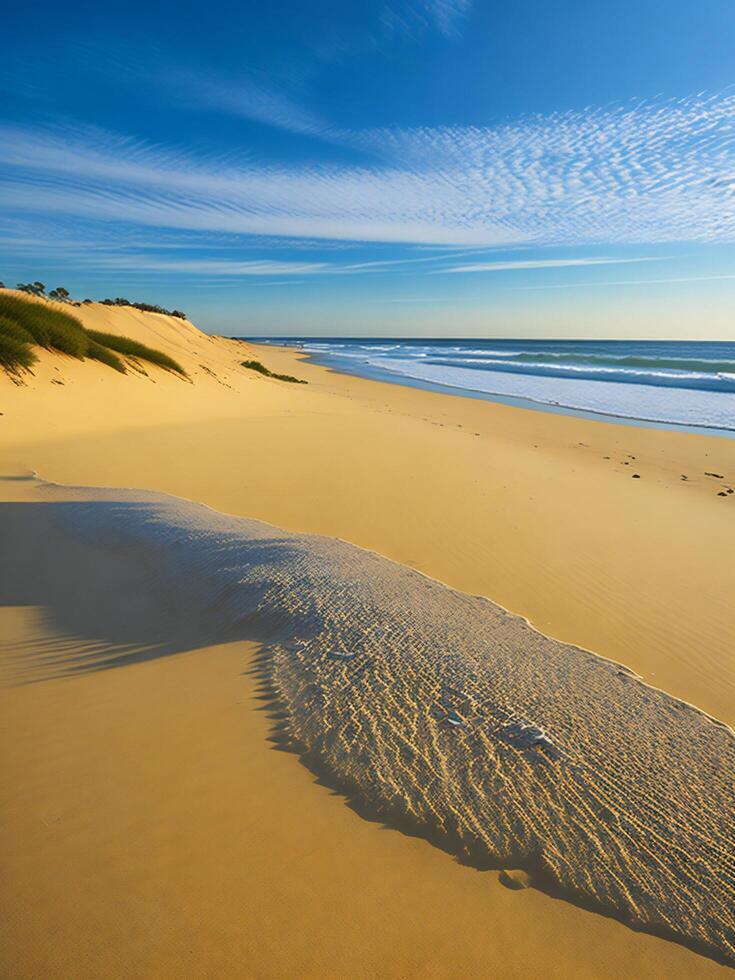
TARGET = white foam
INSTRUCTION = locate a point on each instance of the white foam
(650, 403)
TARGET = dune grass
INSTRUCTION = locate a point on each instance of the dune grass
(132, 348)
(15, 354)
(15, 345)
(97, 352)
(262, 369)
(10, 328)
(25, 324)
(47, 327)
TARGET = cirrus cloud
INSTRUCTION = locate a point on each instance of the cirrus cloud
(647, 172)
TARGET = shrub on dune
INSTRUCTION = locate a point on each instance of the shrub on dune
(262, 369)
(144, 307)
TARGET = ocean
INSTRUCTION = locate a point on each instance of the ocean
(687, 384)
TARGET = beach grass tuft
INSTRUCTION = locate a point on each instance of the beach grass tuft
(132, 348)
(15, 355)
(47, 327)
(98, 352)
(262, 369)
(10, 328)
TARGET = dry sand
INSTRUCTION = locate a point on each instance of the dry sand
(149, 827)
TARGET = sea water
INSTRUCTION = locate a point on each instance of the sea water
(678, 383)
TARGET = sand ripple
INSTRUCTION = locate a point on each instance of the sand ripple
(446, 712)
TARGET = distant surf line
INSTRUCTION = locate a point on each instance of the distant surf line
(596, 380)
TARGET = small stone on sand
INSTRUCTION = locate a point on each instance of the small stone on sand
(515, 879)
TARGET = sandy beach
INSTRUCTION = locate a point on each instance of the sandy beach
(151, 827)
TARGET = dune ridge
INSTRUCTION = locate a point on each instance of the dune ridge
(445, 712)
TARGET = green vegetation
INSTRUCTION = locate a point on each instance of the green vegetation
(10, 328)
(36, 323)
(61, 295)
(97, 352)
(15, 345)
(145, 307)
(25, 324)
(262, 369)
(34, 288)
(14, 354)
(124, 345)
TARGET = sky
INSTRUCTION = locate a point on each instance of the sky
(446, 168)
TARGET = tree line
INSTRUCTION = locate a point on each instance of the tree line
(61, 295)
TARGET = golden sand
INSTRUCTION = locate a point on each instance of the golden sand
(640, 573)
(439, 712)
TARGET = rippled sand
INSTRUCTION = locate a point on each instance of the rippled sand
(445, 713)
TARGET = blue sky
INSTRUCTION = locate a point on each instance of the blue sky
(446, 167)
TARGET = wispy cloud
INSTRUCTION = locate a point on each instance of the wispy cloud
(629, 282)
(251, 96)
(411, 17)
(449, 14)
(418, 299)
(274, 96)
(214, 267)
(640, 173)
(521, 264)
(281, 282)
(94, 175)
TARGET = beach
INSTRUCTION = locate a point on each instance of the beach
(151, 829)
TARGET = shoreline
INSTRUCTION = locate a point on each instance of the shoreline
(374, 373)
